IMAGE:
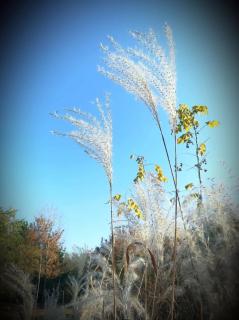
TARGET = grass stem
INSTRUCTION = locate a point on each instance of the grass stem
(113, 251)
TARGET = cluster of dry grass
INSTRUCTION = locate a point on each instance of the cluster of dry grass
(206, 270)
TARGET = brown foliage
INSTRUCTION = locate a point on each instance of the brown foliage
(48, 241)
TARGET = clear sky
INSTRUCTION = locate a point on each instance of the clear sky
(49, 57)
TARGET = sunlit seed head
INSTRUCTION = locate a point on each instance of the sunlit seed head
(145, 71)
(93, 134)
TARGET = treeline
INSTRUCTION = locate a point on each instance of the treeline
(34, 250)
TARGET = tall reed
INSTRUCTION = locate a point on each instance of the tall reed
(150, 74)
(95, 136)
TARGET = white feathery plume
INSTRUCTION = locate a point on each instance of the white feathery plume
(94, 135)
(156, 209)
(145, 71)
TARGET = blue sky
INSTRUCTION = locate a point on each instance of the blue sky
(49, 62)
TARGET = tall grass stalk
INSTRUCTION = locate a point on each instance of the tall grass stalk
(146, 289)
(113, 247)
(150, 74)
(198, 166)
(175, 230)
(95, 136)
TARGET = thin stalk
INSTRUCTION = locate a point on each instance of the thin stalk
(154, 296)
(171, 168)
(39, 280)
(103, 309)
(175, 233)
(176, 191)
(166, 150)
(199, 201)
(113, 251)
(198, 163)
(141, 284)
(145, 288)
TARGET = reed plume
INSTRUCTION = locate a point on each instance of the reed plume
(150, 74)
(145, 71)
(95, 136)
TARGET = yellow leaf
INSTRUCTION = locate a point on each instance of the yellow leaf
(196, 123)
(162, 178)
(117, 197)
(202, 149)
(132, 205)
(185, 116)
(187, 127)
(200, 109)
(183, 107)
(178, 129)
(213, 123)
(179, 140)
(184, 138)
(160, 174)
(140, 173)
(189, 186)
(157, 168)
(139, 214)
